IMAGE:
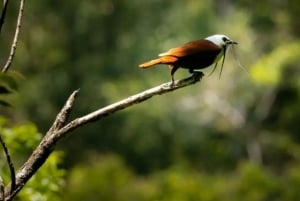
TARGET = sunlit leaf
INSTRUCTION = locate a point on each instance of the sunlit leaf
(267, 70)
(21, 139)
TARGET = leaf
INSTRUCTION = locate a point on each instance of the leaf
(4, 90)
(10, 80)
(4, 103)
(268, 69)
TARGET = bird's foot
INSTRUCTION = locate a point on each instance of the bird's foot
(198, 74)
(172, 84)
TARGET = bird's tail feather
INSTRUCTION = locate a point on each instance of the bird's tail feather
(162, 60)
(150, 63)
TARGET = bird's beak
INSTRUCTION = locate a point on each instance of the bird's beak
(232, 42)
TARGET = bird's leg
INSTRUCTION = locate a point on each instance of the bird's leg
(191, 70)
(173, 70)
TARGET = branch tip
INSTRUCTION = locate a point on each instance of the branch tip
(16, 36)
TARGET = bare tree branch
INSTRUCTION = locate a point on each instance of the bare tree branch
(10, 165)
(14, 43)
(3, 13)
(59, 130)
(108, 110)
(5, 68)
(63, 115)
(1, 189)
(44, 149)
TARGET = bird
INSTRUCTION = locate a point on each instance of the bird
(198, 54)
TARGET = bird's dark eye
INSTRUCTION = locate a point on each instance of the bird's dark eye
(225, 39)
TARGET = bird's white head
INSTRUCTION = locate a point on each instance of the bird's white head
(221, 40)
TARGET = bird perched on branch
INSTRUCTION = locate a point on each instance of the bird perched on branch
(197, 54)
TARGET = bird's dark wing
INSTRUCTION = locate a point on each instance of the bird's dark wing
(191, 48)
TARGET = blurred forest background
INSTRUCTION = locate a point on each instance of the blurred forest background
(237, 138)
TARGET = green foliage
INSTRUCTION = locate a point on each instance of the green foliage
(47, 183)
(112, 180)
(268, 70)
(8, 87)
(106, 176)
(21, 140)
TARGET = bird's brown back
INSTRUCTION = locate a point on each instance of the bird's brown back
(194, 55)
